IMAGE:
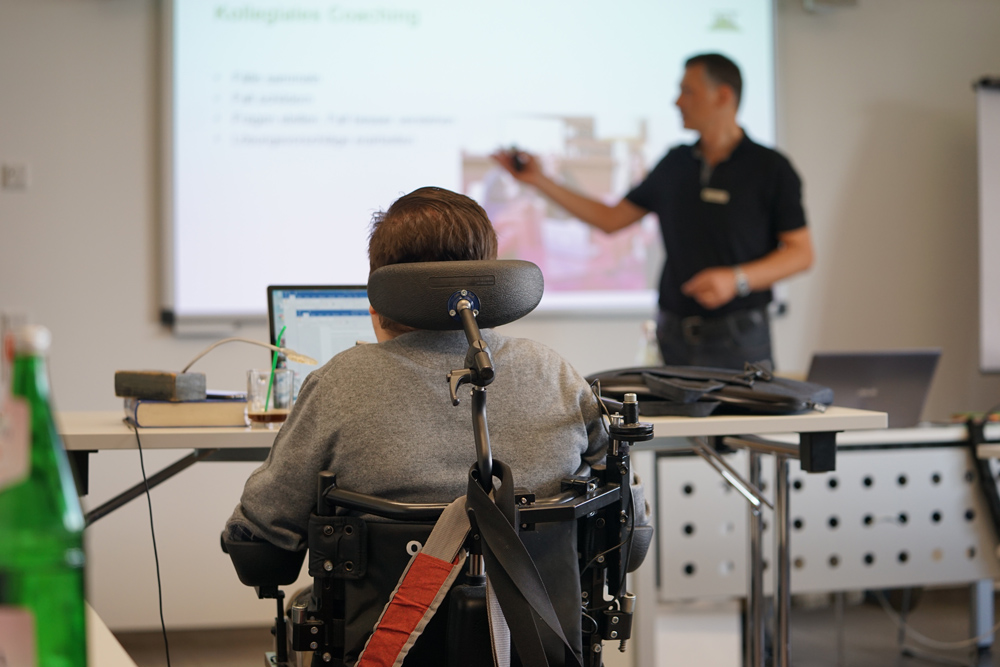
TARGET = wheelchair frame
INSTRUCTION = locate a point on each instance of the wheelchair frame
(601, 505)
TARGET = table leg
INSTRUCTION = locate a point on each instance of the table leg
(981, 615)
(140, 488)
(753, 639)
(782, 588)
(81, 470)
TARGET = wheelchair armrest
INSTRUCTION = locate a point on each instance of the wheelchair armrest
(261, 564)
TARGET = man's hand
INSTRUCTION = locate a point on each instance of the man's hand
(712, 288)
(529, 171)
(716, 286)
(608, 219)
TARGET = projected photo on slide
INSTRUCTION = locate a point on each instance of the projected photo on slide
(290, 124)
(572, 255)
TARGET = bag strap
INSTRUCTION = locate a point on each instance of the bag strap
(746, 377)
(499, 630)
(526, 604)
(423, 585)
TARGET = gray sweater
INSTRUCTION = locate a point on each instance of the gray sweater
(380, 417)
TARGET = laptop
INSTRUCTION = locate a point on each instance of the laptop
(319, 321)
(893, 381)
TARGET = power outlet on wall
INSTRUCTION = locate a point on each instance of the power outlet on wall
(14, 176)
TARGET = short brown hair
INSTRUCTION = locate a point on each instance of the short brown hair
(429, 225)
(720, 70)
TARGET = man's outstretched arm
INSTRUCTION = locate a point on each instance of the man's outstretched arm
(597, 214)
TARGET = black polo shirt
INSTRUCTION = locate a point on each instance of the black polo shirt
(728, 215)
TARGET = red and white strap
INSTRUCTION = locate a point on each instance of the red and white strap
(425, 582)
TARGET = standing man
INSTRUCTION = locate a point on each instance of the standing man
(731, 217)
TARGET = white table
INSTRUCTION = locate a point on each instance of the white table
(85, 432)
(94, 431)
(834, 419)
(811, 437)
(988, 450)
(881, 443)
(103, 649)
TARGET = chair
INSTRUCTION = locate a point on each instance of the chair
(557, 565)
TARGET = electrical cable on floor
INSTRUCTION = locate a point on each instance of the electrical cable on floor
(919, 638)
(923, 639)
(152, 533)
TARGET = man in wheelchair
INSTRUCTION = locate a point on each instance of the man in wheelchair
(376, 420)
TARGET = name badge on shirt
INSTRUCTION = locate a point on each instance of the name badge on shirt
(714, 196)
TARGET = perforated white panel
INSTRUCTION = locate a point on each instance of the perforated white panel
(884, 518)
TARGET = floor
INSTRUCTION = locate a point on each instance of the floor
(868, 637)
(200, 648)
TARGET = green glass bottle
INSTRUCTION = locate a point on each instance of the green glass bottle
(41, 526)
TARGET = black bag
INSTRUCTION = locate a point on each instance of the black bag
(696, 391)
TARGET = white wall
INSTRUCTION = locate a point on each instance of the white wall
(876, 110)
(878, 113)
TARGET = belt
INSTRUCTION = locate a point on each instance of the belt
(697, 328)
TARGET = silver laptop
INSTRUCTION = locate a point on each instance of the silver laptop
(892, 381)
(319, 321)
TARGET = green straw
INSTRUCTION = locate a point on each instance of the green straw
(274, 364)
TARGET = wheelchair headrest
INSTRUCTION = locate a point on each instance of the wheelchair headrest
(418, 295)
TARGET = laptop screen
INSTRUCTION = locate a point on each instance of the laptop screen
(892, 381)
(319, 321)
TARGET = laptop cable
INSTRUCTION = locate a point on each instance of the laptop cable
(156, 557)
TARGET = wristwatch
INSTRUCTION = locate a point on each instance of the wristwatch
(742, 284)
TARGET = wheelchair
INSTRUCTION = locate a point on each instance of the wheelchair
(556, 567)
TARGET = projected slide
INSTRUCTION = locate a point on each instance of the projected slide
(293, 122)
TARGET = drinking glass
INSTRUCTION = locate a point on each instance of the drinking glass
(268, 401)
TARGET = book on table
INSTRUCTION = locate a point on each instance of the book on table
(219, 409)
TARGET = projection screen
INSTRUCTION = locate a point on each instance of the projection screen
(287, 125)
